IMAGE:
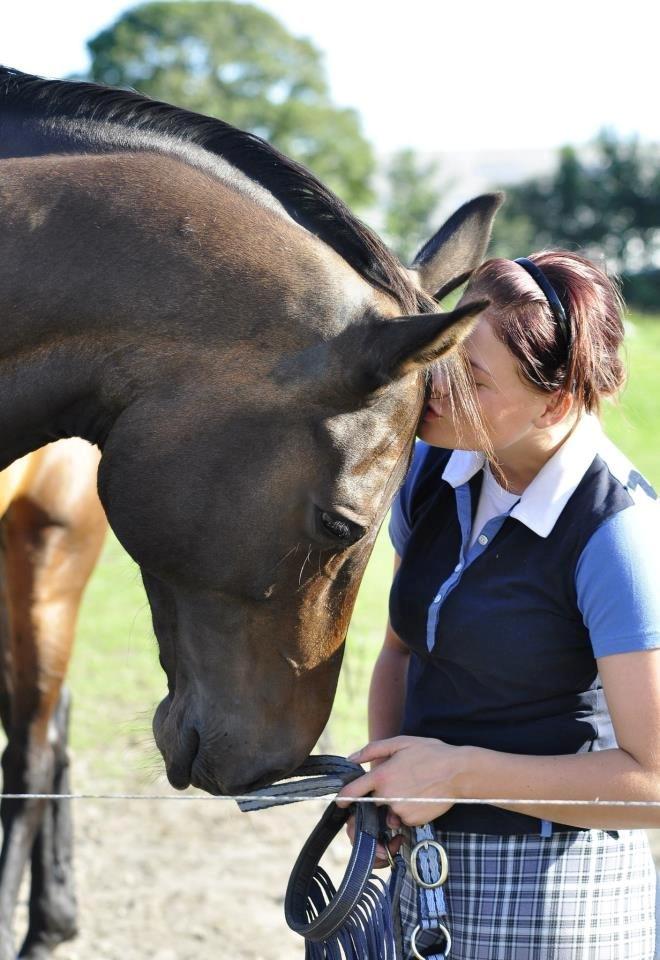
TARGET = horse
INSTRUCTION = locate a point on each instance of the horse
(251, 361)
(53, 529)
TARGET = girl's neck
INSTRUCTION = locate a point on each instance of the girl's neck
(516, 466)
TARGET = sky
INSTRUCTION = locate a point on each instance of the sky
(431, 74)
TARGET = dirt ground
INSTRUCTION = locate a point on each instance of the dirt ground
(183, 880)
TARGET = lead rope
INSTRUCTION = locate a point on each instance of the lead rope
(354, 922)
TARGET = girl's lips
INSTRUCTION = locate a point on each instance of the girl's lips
(432, 410)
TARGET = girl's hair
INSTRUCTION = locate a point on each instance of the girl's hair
(524, 322)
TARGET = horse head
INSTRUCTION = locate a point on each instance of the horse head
(250, 484)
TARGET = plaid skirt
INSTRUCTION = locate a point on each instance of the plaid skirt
(579, 895)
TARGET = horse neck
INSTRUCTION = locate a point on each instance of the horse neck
(100, 266)
(47, 393)
(60, 331)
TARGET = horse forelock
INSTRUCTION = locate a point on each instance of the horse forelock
(150, 124)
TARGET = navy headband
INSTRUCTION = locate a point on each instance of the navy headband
(551, 296)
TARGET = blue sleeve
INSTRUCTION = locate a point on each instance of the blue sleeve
(618, 582)
(400, 519)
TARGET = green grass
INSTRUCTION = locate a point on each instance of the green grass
(634, 423)
(115, 676)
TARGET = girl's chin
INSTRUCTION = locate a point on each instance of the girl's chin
(437, 431)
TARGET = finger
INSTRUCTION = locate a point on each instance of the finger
(393, 821)
(378, 750)
(356, 788)
(395, 845)
(417, 814)
(381, 852)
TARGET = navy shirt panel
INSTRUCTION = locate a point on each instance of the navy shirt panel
(512, 667)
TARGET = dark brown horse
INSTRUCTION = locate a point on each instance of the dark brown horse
(250, 359)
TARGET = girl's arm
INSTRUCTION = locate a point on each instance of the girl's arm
(421, 767)
(387, 689)
(631, 682)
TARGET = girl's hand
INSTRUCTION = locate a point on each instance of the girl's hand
(413, 767)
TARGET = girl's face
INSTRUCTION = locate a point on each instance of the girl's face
(509, 407)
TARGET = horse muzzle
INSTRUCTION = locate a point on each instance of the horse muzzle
(215, 762)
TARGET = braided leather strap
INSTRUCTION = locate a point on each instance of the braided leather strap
(318, 776)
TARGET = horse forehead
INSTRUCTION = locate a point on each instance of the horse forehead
(366, 437)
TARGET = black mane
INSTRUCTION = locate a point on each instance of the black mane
(306, 199)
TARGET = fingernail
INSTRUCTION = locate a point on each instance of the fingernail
(354, 755)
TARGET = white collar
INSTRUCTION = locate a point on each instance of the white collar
(546, 496)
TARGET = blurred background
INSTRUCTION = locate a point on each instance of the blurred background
(405, 112)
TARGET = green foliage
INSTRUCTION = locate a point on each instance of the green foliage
(237, 62)
(632, 422)
(411, 201)
(606, 202)
(642, 289)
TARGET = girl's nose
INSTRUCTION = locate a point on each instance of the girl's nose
(439, 383)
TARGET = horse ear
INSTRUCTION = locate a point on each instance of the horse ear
(456, 250)
(400, 346)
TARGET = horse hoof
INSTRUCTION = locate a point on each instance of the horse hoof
(41, 947)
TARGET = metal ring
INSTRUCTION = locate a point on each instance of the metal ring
(389, 856)
(441, 928)
(444, 863)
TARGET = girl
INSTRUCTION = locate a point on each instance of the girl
(522, 655)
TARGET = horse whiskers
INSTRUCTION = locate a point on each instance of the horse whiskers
(287, 554)
(309, 553)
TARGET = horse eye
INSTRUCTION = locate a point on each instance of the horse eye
(336, 526)
(339, 528)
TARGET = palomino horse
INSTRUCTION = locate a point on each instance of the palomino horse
(251, 361)
(53, 528)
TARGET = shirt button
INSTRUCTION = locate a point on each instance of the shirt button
(483, 539)
(458, 568)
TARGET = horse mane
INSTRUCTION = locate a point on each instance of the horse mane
(301, 194)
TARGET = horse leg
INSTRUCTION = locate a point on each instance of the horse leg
(18, 822)
(53, 906)
(26, 769)
(53, 541)
(26, 765)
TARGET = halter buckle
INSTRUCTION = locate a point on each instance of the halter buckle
(444, 863)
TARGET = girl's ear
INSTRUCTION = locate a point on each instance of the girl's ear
(559, 405)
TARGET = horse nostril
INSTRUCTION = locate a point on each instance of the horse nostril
(180, 748)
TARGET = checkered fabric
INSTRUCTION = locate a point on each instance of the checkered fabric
(579, 895)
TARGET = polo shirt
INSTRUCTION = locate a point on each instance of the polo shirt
(505, 633)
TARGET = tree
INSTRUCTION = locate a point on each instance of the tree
(411, 201)
(605, 200)
(236, 62)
